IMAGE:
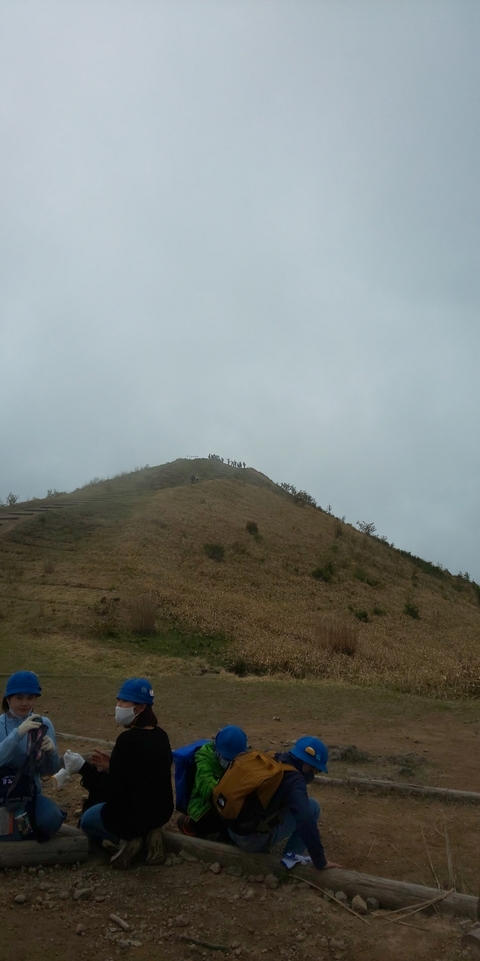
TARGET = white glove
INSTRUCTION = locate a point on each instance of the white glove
(60, 778)
(31, 724)
(73, 762)
(47, 745)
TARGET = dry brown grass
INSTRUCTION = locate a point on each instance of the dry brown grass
(262, 595)
(338, 637)
(143, 614)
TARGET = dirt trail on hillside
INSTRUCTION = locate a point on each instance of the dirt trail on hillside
(9, 521)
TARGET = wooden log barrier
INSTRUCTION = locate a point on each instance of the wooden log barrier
(357, 783)
(67, 847)
(87, 740)
(398, 787)
(389, 893)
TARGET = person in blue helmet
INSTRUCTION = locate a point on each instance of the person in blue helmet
(211, 762)
(27, 744)
(139, 797)
(291, 813)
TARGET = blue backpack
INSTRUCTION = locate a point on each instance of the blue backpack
(184, 761)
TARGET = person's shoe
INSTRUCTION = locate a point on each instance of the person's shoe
(184, 825)
(127, 851)
(155, 849)
(109, 846)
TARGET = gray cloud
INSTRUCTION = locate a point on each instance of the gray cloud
(251, 229)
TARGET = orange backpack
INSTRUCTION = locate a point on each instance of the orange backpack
(250, 773)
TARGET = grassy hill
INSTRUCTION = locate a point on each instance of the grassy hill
(233, 570)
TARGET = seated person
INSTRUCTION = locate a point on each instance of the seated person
(27, 745)
(138, 788)
(211, 762)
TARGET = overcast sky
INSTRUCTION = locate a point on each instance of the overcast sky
(250, 228)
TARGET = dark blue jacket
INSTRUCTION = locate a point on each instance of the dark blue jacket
(292, 795)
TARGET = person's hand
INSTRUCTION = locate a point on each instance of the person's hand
(30, 724)
(331, 864)
(101, 760)
(73, 762)
(47, 745)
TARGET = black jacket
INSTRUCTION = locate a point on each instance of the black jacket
(138, 788)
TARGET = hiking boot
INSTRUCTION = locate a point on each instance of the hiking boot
(185, 825)
(155, 848)
(126, 853)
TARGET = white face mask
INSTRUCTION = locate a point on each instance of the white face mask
(22, 717)
(124, 715)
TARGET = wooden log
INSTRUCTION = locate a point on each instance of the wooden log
(67, 847)
(398, 787)
(389, 893)
(357, 783)
(87, 740)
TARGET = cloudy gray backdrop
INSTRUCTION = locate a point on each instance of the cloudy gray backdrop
(248, 228)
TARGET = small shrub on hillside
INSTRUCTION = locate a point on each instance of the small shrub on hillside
(324, 573)
(239, 667)
(338, 529)
(411, 610)
(364, 578)
(435, 570)
(302, 498)
(379, 611)
(362, 616)
(49, 566)
(11, 499)
(143, 614)
(214, 551)
(251, 527)
(338, 637)
(366, 527)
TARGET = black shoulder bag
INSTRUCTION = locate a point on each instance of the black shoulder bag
(18, 786)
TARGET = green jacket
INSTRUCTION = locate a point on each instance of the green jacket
(209, 771)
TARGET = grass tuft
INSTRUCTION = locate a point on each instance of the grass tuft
(215, 552)
(324, 573)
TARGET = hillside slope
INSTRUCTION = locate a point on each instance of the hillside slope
(77, 568)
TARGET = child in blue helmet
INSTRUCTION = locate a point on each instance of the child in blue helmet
(40, 817)
(211, 762)
(139, 798)
(298, 813)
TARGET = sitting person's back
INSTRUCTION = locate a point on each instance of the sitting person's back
(140, 788)
(137, 793)
(211, 762)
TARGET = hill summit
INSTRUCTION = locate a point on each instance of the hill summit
(252, 576)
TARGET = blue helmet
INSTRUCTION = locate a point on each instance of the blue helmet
(230, 741)
(311, 751)
(136, 689)
(23, 682)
